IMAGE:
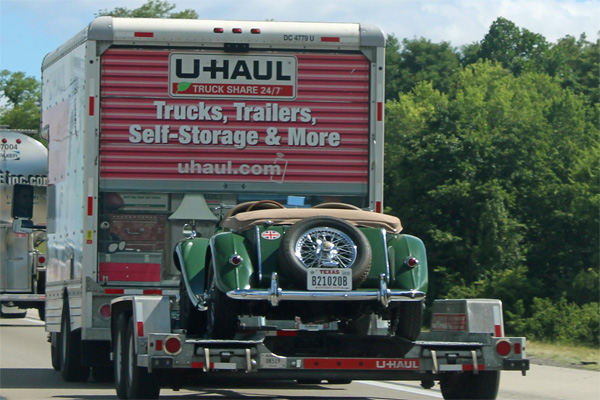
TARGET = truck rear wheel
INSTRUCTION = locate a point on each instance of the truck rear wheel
(467, 385)
(131, 381)
(55, 350)
(71, 366)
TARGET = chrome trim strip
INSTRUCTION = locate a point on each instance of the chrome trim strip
(386, 255)
(258, 252)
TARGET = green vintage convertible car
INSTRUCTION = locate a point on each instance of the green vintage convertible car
(330, 262)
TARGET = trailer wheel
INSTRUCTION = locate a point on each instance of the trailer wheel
(323, 241)
(120, 368)
(222, 318)
(131, 381)
(467, 385)
(71, 365)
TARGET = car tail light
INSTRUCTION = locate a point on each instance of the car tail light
(411, 262)
(235, 260)
(172, 345)
(503, 348)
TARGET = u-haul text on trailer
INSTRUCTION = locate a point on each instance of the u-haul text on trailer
(157, 124)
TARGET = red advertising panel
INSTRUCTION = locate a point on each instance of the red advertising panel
(253, 117)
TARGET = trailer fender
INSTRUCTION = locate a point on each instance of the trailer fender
(405, 274)
(225, 248)
(151, 314)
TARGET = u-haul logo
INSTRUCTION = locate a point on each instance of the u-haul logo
(232, 76)
(397, 364)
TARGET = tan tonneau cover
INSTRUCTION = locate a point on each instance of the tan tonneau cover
(288, 216)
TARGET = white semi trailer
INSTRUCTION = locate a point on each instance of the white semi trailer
(23, 161)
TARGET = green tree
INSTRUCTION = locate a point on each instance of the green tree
(418, 60)
(576, 64)
(22, 97)
(150, 9)
(500, 173)
(516, 49)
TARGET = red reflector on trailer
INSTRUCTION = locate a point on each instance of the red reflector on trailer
(18, 141)
(236, 30)
(255, 31)
(498, 330)
(503, 348)
(105, 311)
(152, 291)
(287, 333)
(114, 291)
(331, 39)
(517, 348)
(143, 34)
(379, 111)
(378, 206)
(218, 30)
(172, 345)
(159, 345)
(90, 209)
(41, 260)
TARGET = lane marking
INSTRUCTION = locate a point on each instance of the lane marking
(404, 388)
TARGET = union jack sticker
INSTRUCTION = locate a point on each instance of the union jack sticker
(270, 235)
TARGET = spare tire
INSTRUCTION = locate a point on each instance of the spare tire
(324, 242)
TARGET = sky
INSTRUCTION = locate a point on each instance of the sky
(30, 29)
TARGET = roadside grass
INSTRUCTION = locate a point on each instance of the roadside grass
(566, 355)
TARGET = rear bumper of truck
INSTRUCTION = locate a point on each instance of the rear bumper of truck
(18, 297)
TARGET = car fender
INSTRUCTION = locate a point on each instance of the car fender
(400, 248)
(190, 258)
(224, 246)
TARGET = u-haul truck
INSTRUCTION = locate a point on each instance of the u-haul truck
(143, 116)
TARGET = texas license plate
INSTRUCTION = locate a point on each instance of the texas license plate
(329, 279)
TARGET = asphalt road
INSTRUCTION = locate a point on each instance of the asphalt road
(26, 373)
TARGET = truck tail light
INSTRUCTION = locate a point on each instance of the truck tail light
(172, 345)
(41, 260)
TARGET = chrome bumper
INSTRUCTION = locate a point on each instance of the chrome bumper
(275, 294)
